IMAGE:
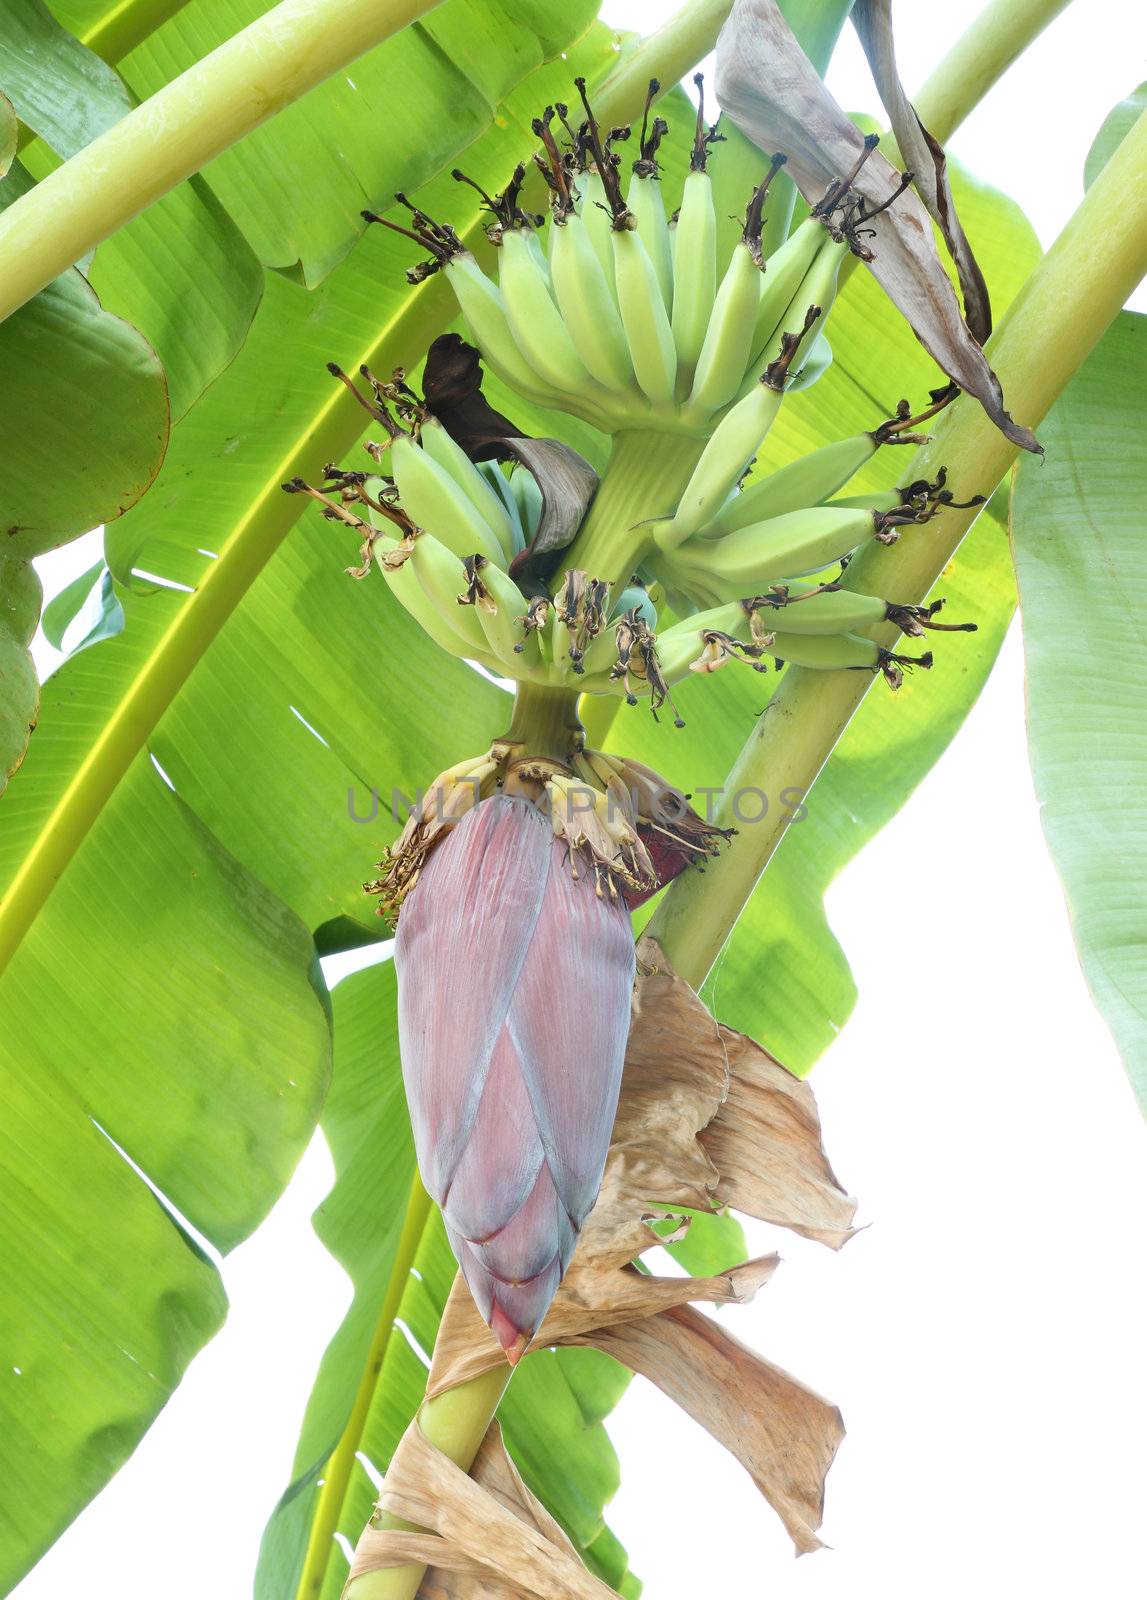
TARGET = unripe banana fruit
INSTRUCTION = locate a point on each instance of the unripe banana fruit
(645, 200)
(537, 325)
(721, 363)
(784, 273)
(747, 562)
(808, 481)
(738, 437)
(481, 303)
(694, 273)
(433, 498)
(490, 506)
(647, 330)
(588, 305)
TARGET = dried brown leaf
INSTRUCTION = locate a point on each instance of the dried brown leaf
(769, 89)
(452, 390)
(924, 157)
(784, 1434)
(765, 1142)
(491, 1539)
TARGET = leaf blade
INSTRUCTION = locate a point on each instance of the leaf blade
(1076, 532)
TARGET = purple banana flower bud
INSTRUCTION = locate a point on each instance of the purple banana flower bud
(514, 986)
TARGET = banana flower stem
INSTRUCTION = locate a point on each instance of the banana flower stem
(1047, 333)
(455, 1422)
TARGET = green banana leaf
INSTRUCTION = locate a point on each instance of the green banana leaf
(20, 596)
(60, 89)
(182, 956)
(1077, 535)
(63, 609)
(298, 186)
(83, 416)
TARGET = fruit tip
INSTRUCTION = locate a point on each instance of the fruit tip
(514, 1340)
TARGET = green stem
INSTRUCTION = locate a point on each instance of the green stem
(545, 721)
(337, 1472)
(667, 54)
(979, 59)
(643, 481)
(119, 31)
(267, 66)
(1048, 331)
(455, 1422)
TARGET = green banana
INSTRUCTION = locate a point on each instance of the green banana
(481, 303)
(784, 272)
(819, 609)
(432, 497)
(647, 329)
(442, 577)
(679, 646)
(694, 273)
(527, 495)
(827, 651)
(535, 322)
(808, 481)
(876, 500)
(431, 612)
(588, 306)
(595, 212)
(735, 441)
(499, 483)
(816, 288)
(647, 204)
(500, 607)
(813, 609)
(724, 353)
(489, 505)
(746, 562)
(635, 597)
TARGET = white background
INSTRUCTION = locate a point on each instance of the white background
(984, 1335)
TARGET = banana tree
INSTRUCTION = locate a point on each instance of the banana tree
(482, 427)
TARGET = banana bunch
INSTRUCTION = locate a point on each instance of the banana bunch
(625, 319)
(446, 534)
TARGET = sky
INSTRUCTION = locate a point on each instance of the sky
(983, 1333)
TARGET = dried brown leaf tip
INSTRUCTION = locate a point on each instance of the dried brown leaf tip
(706, 1118)
(769, 89)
